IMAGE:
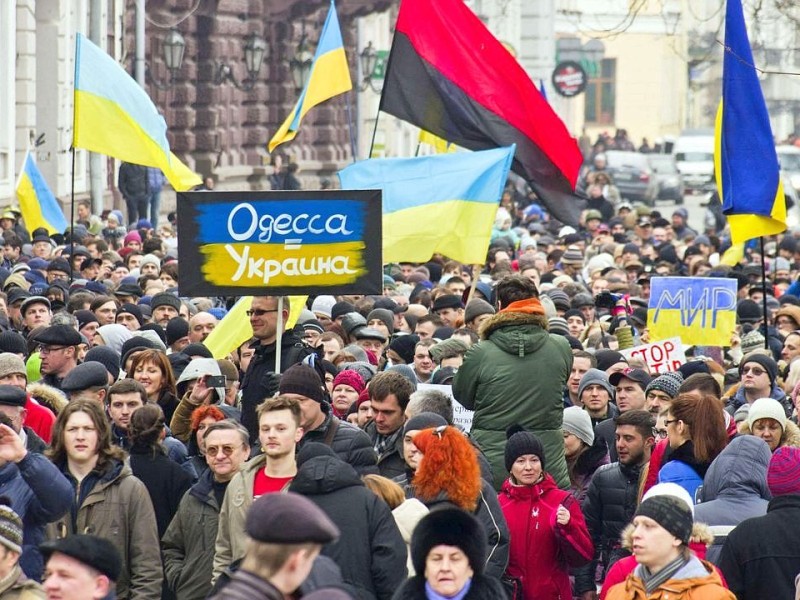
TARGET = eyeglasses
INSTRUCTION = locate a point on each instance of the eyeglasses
(660, 433)
(50, 349)
(668, 421)
(226, 450)
(258, 312)
(754, 370)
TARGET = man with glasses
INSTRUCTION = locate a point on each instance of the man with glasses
(757, 374)
(58, 349)
(261, 379)
(188, 543)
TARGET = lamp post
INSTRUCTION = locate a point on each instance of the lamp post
(300, 64)
(173, 47)
(255, 51)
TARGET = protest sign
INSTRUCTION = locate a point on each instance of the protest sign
(461, 416)
(698, 310)
(660, 357)
(252, 243)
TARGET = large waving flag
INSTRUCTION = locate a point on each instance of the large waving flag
(116, 117)
(444, 203)
(448, 75)
(38, 204)
(330, 76)
(746, 164)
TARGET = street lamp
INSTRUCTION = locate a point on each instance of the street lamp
(172, 46)
(369, 59)
(300, 64)
(255, 51)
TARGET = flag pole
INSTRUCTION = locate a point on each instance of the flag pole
(349, 109)
(72, 219)
(764, 292)
(476, 273)
(279, 336)
(374, 131)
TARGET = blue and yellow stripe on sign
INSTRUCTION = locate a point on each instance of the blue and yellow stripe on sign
(746, 164)
(435, 204)
(329, 77)
(700, 310)
(252, 244)
(37, 203)
(116, 117)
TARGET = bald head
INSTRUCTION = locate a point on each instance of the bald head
(200, 325)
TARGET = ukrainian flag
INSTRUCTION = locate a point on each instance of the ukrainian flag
(444, 203)
(746, 164)
(115, 116)
(38, 204)
(330, 76)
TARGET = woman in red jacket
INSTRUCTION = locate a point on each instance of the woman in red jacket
(548, 532)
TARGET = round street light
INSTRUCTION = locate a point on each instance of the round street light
(173, 47)
(301, 63)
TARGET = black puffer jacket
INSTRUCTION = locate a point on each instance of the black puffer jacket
(349, 442)
(482, 588)
(608, 507)
(370, 552)
(260, 381)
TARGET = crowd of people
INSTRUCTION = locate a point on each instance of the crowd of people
(470, 433)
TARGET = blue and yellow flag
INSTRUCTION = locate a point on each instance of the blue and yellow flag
(746, 164)
(330, 76)
(444, 203)
(116, 117)
(38, 204)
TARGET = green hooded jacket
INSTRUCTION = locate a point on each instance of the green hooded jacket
(516, 375)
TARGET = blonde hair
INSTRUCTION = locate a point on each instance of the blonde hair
(386, 489)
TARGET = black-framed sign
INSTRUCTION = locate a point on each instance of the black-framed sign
(569, 78)
(281, 242)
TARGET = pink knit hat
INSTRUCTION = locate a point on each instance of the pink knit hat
(351, 378)
(783, 474)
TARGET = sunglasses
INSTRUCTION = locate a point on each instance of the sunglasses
(226, 450)
(258, 312)
(754, 370)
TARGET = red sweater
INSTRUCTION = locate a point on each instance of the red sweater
(40, 419)
(541, 550)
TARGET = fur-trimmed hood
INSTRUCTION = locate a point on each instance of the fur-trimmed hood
(48, 396)
(511, 319)
(516, 333)
(702, 537)
(790, 436)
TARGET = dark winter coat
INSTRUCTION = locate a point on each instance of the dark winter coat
(542, 551)
(132, 181)
(188, 544)
(370, 552)
(515, 375)
(39, 494)
(165, 481)
(734, 489)
(349, 442)
(483, 588)
(733, 402)
(581, 473)
(761, 557)
(245, 585)
(608, 507)
(391, 463)
(260, 381)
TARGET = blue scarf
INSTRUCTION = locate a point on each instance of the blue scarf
(431, 595)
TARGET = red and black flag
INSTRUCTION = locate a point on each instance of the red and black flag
(448, 75)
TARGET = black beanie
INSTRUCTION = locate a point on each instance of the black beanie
(670, 513)
(606, 358)
(11, 341)
(303, 380)
(449, 527)
(770, 366)
(521, 442)
(404, 346)
(424, 420)
(177, 328)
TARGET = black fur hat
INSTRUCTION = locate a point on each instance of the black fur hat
(449, 527)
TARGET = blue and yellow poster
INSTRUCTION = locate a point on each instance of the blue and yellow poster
(251, 243)
(699, 310)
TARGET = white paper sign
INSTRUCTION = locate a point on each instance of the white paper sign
(660, 357)
(461, 416)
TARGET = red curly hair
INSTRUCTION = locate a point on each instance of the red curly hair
(449, 467)
(204, 412)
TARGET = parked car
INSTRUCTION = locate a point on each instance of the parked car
(633, 176)
(669, 181)
(694, 156)
(789, 159)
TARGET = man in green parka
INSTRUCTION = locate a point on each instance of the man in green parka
(516, 375)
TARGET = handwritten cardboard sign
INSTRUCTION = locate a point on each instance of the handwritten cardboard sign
(251, 243)
(698, 310)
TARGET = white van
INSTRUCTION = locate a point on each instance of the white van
(694, 157)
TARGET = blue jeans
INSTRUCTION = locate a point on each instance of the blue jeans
(155, 207)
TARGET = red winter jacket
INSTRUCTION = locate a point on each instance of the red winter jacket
(541, 550)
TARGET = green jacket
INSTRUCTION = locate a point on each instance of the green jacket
(516, 375)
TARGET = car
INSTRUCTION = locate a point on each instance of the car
(789, 159)
(668, 178)
(633, 176)
(694, 157)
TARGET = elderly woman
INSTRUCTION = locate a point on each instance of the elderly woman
(767, 419)
(449, 553)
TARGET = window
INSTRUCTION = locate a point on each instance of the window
(601, 94)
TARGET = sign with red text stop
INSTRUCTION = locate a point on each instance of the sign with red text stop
(661, 357)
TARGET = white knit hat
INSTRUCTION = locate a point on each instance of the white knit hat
(578, 422)
(766, 408)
